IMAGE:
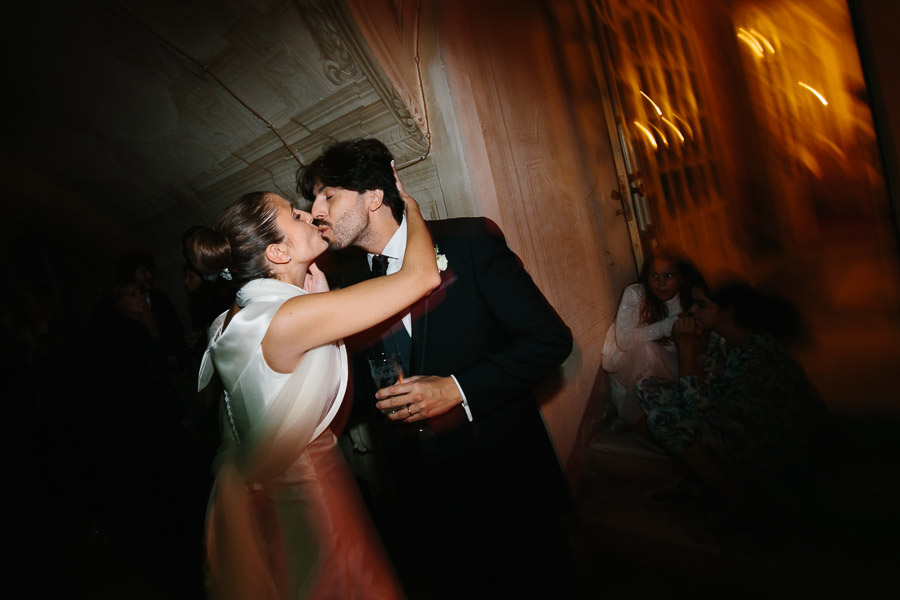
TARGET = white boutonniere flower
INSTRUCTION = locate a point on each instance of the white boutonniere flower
(441, 260)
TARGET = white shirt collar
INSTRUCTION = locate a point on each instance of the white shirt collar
(395, 249)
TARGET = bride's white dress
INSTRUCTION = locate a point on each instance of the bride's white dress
(286, 519)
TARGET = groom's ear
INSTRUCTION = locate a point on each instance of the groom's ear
(374, 199)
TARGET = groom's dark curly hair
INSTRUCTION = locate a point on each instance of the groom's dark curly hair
(358, 164)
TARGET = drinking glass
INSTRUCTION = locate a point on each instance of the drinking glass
(386, 370)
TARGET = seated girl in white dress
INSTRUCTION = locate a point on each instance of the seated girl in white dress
(285, 518)
(638, 343)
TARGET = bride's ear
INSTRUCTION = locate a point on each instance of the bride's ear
(277, 254)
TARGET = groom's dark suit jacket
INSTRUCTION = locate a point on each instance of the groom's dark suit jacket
(490, 326)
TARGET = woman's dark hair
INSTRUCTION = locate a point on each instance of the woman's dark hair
(185, 238)
(758, 310)
(359, 164)
(653, 309)
(238, 239)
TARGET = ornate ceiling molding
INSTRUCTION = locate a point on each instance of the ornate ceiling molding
(345, 53)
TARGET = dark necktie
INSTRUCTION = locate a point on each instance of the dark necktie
(397, 339)
(379, 265)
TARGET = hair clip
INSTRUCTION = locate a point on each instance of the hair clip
(225, 274)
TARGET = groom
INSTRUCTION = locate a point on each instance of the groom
(470, 503)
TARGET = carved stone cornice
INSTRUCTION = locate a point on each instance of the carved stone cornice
(339, 64)
(345, 54)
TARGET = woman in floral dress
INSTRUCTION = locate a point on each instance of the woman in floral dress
(745, 422)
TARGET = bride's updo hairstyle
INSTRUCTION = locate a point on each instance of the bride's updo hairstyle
(234, 247)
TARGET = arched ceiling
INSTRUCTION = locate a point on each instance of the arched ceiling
(156, 111)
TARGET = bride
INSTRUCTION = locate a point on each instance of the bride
(285, 517)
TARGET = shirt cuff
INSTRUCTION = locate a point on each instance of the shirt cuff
(465, 403)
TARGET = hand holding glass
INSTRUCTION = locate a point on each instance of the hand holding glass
(386, 370)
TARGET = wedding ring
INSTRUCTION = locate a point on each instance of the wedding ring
(407, 410)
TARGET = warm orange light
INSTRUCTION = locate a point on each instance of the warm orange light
(675, 129)
(817, 94)
(808, 160)
(687, 126)
(648, 134)
(834, 147)
(762, 39)
(751, 41)
(658, 111)
(661, 134)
